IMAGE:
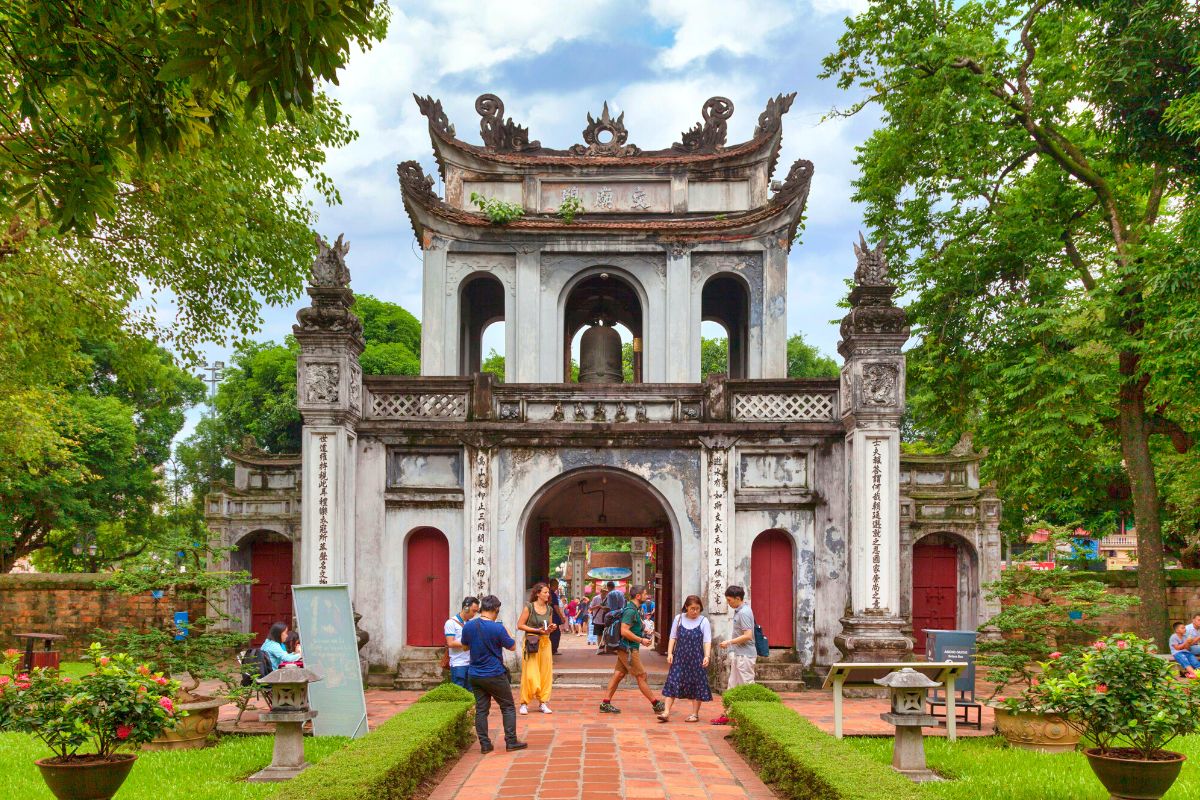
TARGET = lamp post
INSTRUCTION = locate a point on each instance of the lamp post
(908, 688)
(289, 711)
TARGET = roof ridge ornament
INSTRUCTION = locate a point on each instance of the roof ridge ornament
(771, 119)
(872, 263)
(432, 110)
(708, 136)
(498, 134)
(329, 269)
(597, 144)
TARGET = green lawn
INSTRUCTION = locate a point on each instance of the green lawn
(215, 773)
(987, 769)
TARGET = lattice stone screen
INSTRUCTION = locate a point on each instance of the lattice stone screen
(423, 406)
(783, 407)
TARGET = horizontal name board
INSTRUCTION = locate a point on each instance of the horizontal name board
(608, 197)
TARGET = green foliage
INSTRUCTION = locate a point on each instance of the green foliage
(494, 363)
(187, 576)
(447, 693)
(1044, 220)
(213, 773)
(393, 760)
(95, 477)
(114, 85)
(714, 357)
(118, 703)
(1118, 693)
(802, 762)
(569, 209)
(749, 693)
(1035, 622)
(806, 361)
(497, 211)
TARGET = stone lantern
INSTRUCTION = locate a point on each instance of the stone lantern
(289, 711)
(908, 688)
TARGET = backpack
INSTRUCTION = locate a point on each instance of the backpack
(612, 633)
(761, 646)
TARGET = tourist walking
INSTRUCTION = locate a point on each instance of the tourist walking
(537, 662)
(596, 612)
(740, 646)
(688, 652)
(629, 659)
(572, 610)
(582, 624)
(458, 656)
(484, 639)
(614, 604)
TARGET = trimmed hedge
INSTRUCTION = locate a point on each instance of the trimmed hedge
(805, 763)
(447, 693)
(391, 762)
(749, 693)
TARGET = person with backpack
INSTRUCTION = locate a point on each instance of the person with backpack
(629, 629)
(484, 639)
(741, 646)
(688, 652)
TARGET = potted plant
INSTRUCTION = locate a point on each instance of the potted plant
(204, 649)
(1044, 613)
(120, 704)
(1129, 703)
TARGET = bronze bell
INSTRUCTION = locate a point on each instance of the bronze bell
(600, 355)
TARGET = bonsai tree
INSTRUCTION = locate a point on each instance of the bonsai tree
(1046, 613)
(118, 704)
(1121, 696)
(205, 648)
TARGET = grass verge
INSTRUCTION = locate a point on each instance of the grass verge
(215, 773)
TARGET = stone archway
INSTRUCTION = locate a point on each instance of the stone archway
(604, 502)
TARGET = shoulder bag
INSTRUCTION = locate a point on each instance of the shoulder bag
(532, 641)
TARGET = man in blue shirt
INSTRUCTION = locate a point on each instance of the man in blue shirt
(486, 638)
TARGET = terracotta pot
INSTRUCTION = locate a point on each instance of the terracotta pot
(1030, 730)
(192, 731)
(86, 780)
(1135, 778)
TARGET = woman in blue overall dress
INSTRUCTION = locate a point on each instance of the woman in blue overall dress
(688, 653)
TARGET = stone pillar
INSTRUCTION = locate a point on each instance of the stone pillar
(329, 395)
(578, 565)
(718, 522)
(637, 556)
(479, 521)
(433, 309)
(872, 404)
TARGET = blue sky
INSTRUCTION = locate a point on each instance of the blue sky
(552, 63)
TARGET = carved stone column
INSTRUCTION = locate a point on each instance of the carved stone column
(329, 396)
(637, 557)
(578, 555)
(873, 382)
(718, 521)
(479, 521)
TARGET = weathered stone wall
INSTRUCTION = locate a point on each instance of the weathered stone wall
(72, 605)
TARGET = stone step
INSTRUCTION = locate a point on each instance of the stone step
(783, 686)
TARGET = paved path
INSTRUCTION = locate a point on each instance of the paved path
(576, 752)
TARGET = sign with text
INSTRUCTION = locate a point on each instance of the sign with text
(327, 640)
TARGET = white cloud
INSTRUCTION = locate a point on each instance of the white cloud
(850, 7)
(704, 27)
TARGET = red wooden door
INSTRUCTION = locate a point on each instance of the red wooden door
(428, 580)
(772, 587)
(271, 595)
(935, 590)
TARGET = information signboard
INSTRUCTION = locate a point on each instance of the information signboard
(330, 647)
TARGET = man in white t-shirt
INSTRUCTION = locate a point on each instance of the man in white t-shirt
(460, 656)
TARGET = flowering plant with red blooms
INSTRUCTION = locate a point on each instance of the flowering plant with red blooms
(119, 703)
(1120, 695)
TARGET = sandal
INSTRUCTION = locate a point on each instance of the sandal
(692, 718)
(664, 718)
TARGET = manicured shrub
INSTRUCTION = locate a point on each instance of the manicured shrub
(447, 693)
(391, 762)
(749, 693)
(805, 763)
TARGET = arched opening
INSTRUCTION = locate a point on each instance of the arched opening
(268, 556)
(481, 302)
(610, 299)
(714, 349)
(945, 592)
(773, 586)
(725, 300)
(427, 578)
(622, 531)
(493, 350)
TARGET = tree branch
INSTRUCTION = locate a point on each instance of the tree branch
(1077, 261)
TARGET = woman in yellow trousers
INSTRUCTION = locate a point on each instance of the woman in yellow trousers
(537, 662)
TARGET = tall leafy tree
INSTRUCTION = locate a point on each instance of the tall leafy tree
(806, 361)
(1043, 217)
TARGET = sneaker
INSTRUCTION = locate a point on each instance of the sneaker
(608, 708)
(486, 748)
(517, 746)
(721, 720)
(659, 706)
(524, 709)
(546, 709)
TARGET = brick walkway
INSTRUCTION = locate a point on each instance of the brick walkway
(572, 751)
